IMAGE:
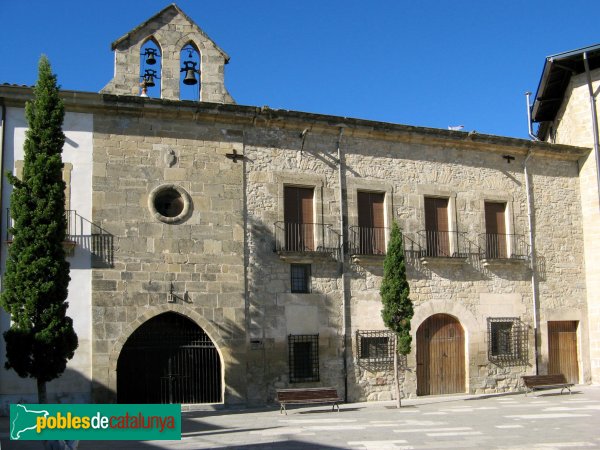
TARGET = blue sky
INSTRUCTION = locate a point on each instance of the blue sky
(421, 62)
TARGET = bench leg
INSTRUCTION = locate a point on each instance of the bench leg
(282, 409)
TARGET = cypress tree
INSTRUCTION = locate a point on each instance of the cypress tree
(41, 338)
(397, 309)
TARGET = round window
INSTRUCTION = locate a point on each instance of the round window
(169, 203)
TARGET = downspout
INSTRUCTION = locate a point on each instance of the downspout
(530, 130)
(343, 265)
(534, 290)
(2, 144)
(594, 119)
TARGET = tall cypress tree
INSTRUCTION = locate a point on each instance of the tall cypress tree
(41, 338)
(397, 309)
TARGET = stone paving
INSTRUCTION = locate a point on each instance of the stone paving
(545, 421)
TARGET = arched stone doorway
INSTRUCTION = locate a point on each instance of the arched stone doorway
(440, 356)
(169, 359)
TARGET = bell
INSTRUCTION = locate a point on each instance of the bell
(151, 56)
(149, 78)
(190, 78)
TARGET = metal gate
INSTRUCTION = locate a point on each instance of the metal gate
(440, 356)
(169, 359)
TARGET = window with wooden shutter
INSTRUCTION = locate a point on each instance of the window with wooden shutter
(371, 223)
(495, 230)
(299, 218)
(436, 227)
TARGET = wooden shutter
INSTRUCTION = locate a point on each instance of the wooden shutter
(371, 222)
(436, 226)
(299, 218)
(495, 229)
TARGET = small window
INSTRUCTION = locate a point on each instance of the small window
(300, 278)
(375, 345)
(303, 354)
(507, 339)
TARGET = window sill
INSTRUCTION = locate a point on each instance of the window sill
(442, 260)
(504, 262)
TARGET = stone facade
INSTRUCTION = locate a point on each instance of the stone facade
(224, 257)
(573, 125)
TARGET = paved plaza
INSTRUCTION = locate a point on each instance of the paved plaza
(545, 421)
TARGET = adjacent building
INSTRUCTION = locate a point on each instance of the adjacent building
(223, 251)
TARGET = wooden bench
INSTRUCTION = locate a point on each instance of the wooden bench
(308, 395)
(538, 382)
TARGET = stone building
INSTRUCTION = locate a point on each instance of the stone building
(224, 251)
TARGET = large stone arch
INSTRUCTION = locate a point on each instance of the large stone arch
(154, 311)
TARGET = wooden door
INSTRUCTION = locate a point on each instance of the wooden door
(495, 230)
(436, 226)
(562, 349)
(299, 219)
(371, 223)
(440, 356)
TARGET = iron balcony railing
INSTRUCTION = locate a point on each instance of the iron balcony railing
(367, 240)
(446, 244)
(305, 238)
(83, 233)
(503, 246)
(372, 241)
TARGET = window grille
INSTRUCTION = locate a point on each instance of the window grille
(507, 340)
(303, 354)
(300, 278)
(375, 348)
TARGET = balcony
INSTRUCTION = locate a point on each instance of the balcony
(80, 232)
(305, 242)
(498, 249)
(445, 246)
(369, 244)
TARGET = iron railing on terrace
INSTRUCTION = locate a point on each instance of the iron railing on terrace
(306, 238)
(504, 246)
(445, 244)
(367, 240)
(372, 241)
(82, 233)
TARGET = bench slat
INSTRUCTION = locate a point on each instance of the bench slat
(307, 395)
(535, 382)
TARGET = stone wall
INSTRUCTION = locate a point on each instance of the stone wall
(407, 170)
(573, 126)
(199, 257)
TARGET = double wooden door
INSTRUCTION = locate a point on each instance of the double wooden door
(440, 356)
(562, 349)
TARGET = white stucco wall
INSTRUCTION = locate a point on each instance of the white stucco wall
(74, 385)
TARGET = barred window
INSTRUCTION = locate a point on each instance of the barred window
(303, 354)
(375, 345)
(507, 339)
(300, 278)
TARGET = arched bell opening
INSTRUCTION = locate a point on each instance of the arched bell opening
(150, 69)
(189, 80)
(169, 359)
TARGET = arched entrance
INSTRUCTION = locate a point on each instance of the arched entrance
(169, 359)
(440, 356)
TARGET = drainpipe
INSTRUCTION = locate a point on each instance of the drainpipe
(342, 265)
(594, 119)
(530, 131)
(2, 144)
(534, 292)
